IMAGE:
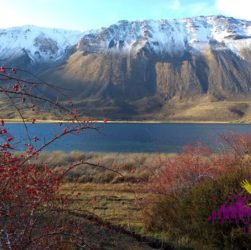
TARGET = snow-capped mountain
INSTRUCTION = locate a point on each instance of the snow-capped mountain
(40, 44)
(171, 36)
(159, 37)
(183, 69)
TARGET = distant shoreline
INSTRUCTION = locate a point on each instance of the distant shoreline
(130, 122)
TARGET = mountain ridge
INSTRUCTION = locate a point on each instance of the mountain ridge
(170, 35)
(192, 32)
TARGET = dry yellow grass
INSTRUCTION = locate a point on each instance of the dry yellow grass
(134, 167)
(206, 110)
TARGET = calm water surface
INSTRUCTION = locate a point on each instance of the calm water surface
(129, 137)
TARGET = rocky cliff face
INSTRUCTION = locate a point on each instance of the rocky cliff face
(149, 68)
(179, 57)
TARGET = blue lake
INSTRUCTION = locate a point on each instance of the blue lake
(128, 137)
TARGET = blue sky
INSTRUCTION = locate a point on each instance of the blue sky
(92, 14)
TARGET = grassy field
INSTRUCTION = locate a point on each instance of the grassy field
(115, 199)
(117, 191)
(133, 167)
(118, 204)
(120, 207)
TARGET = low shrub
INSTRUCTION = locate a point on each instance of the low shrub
(194, 164)
(186, 214)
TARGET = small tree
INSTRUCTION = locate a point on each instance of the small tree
(33, 215)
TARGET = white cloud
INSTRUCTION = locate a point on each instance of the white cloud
(234, 8)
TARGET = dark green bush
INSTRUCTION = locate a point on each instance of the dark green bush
(186, 214)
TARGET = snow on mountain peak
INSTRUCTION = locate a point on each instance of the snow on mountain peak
(41, 44)
(170, 36)
(159, 37)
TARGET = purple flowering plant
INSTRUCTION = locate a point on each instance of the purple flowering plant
(236, 209)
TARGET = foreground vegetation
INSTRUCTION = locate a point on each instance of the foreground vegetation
(166, 197)
(161, 201)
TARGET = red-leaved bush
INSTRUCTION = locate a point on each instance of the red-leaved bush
(194, 164)
(33, 214)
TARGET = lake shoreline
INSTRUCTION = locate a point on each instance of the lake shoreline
(128, 122)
